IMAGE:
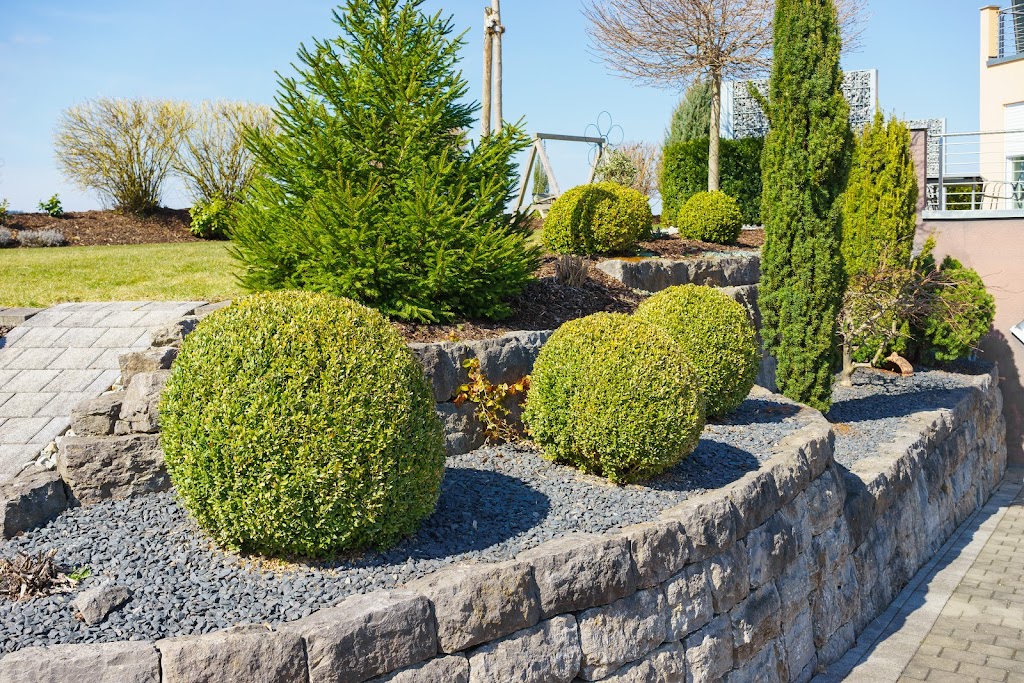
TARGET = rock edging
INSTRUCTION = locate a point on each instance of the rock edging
(769, 578)
(734, 269)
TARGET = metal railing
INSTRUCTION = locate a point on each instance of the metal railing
(1011, 31)
(981, 171)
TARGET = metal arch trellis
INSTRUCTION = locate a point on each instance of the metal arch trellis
(598, 142)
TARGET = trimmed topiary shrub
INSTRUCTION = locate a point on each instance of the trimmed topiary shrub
(300, 424)
(597, 219)
(717, 336)
(613, 395)
(684, 173)
(710, 217)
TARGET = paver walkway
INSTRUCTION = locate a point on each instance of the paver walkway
(61, 357)
(962, 617)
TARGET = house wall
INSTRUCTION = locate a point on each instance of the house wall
(1002, 84)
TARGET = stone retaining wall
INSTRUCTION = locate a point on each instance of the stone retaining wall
(764, 580)
(733, 269)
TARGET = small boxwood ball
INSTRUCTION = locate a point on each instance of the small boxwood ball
(601, 218)
(710, 217)
(717, 336)
(613, 395)
(299, 424)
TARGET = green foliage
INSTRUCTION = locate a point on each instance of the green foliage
(805, 167)
(5, 207)
(963, 314)
(597, 219)
(540, 179)
(614, 396)
(616, 167)
(684, 173)
(212, 219)
(692, 118)
(492, 402)
(52, 207)
(717, 336)
(880, 203)
(280, 443)
(371, 190)
(710, 217)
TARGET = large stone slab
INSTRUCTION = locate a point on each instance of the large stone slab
(30, 500)
(475, 604)
(135, 662)
(367, 635)
(97, 416)
(254, 654)
(447, 668)
(99, 468)
(660, 550)
(667, 664)
(547, 653)
(622, 632)
(150, 360)
(581, 571)
(140, 410)
(709, 651)
(656, 274)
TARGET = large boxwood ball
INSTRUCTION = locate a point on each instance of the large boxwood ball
(300, 424)
(613, 395)
(601, 218)
(717, 336)
(710, 217)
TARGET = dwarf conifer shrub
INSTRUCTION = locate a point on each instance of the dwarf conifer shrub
(600, 218)
(299, 424)
(371, 190)
(962, 315)
(710, 217)
(717, 336)
(613, 395)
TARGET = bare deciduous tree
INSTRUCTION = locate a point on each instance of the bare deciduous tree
(122, 149)
(646, 157)
(213, 161)
(670, 43)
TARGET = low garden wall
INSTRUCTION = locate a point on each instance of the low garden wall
(766, 579)
(734, 269)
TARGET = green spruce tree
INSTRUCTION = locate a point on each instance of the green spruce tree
(371, 190)
(804, 169)
(880, 204)
(692, 116)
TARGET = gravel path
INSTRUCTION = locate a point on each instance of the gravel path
(496, 503)
(867, 414)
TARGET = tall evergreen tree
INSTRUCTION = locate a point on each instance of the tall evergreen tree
(805, 166)
(371, 191)
(880, 202)
(692, 116)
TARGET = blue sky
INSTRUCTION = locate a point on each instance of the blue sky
(55, 53)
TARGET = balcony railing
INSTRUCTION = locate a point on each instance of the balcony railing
(978, 172)
(1011, 31)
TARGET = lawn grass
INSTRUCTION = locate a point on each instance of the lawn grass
(189, 271)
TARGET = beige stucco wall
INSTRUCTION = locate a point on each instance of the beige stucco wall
(995, 248)
(1001, 85)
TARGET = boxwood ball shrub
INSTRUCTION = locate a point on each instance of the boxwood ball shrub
(717, 336)
(613, 395)
(600, 218)
(710, 217)
(299, 424)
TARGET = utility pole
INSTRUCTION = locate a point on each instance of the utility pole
(492, 69)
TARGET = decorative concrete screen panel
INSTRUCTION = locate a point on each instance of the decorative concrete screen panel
(742, 116)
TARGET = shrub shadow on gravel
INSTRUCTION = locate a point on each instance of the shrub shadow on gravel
(478, 509)
(712, 465)
(883, 406)
(757, 411)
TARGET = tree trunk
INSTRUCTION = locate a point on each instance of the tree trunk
(848, 367)
(485, 115)
(714, 132)
(497, 87)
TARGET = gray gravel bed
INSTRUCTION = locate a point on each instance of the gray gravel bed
(495, 503)
(867, 415)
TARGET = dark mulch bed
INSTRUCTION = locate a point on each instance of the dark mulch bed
(674, 247)
(94, 228)
(544, 305)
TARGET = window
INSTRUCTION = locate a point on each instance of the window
(1017, 183)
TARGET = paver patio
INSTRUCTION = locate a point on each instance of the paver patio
(61, 357)
(962, 617)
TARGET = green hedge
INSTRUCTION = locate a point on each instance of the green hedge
(300, 424)
(717, 336)
(684, 173)
(601, 218)
(614, 396)
(710, 217)
(945, 339)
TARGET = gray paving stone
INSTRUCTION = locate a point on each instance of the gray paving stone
(82, 337)
(4, 397)
(54, 428)
(25, 404)
(73, 380)
(13, 457)
(27, 380)
(39, 337)
(7, 356)
(33, 359)
(124, 318)
(120, 337)
(75, 358)
(108, 359)
(20, 430)
(62, 404)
